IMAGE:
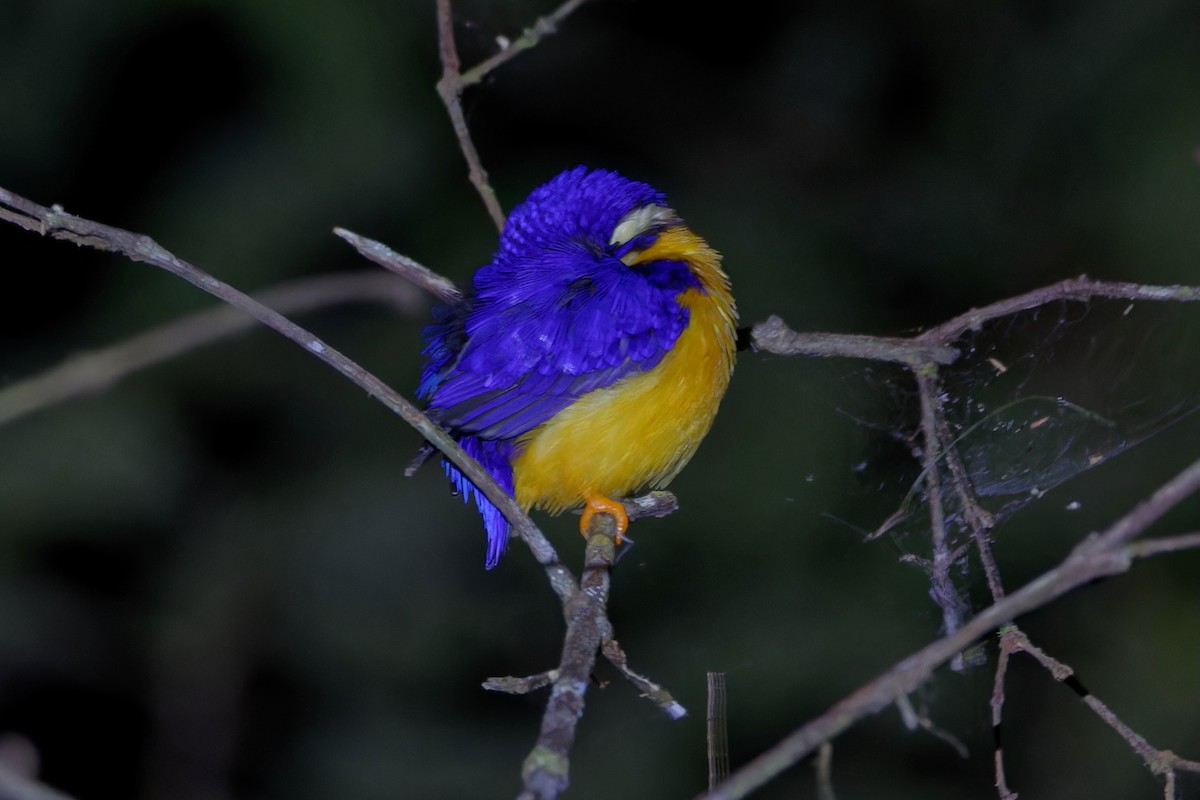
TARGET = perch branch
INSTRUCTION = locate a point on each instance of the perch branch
(584, 604)
(58, 224)
(657, 504)
(546, 769)
(1099, 555)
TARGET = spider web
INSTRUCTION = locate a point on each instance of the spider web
(1035, 400)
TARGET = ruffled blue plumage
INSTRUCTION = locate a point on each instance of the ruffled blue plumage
(494, 456)
(556, 314)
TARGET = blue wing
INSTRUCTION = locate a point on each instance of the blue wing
(527, 345)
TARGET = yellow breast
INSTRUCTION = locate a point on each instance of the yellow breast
(639, 432)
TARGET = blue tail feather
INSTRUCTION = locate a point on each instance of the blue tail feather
(494, 456)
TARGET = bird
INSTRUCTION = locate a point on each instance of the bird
(589, 356)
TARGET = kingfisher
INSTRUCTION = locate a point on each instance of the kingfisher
(588, 358)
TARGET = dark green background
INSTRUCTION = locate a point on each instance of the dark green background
(215, 580)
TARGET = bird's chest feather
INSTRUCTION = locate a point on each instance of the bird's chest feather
(639, 432)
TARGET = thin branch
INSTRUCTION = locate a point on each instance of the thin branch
(454, 81)
(58, 224)
(1098, 556)
(529, 38)
(918, 720)
(977, 518)
(101, 369)
(657, 504)
(1159, 762)
(450, 89)
(1167, 544)
(526, 685)
(824, 770)
(440, 287)
(1143, 516)
(774, 336)
(997, 704)
(942, 587)
(933, 345)
(1080, 289)
(649, 689)
(609, 648)
(717, 729)
(546, 770)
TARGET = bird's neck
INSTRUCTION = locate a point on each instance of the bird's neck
(679, 243)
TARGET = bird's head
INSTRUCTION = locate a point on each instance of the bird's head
(585, 222)
(596, 208)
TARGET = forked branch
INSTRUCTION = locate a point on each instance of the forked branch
(1100, 555)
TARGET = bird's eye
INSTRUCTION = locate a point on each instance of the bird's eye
(639, 221)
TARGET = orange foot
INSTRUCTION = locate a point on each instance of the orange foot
(599, 504)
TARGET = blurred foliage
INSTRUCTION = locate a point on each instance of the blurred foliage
(216, 581)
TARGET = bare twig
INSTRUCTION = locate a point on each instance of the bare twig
(450, 89)
(940, 447)
(774, 336)
(530, 37)
(920, 721)
(978, 520)
(1160, 762)
(824, 769)
(99, 370)
(58, 224)
(997, 704)
(1167, 544)
(547, 768)
(526, 685)
(1079, 289)
(440, 287)
(942, 587)
(1097, 556)
(454, 81)
(658, 504)
(718, 737)
(650, 690)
